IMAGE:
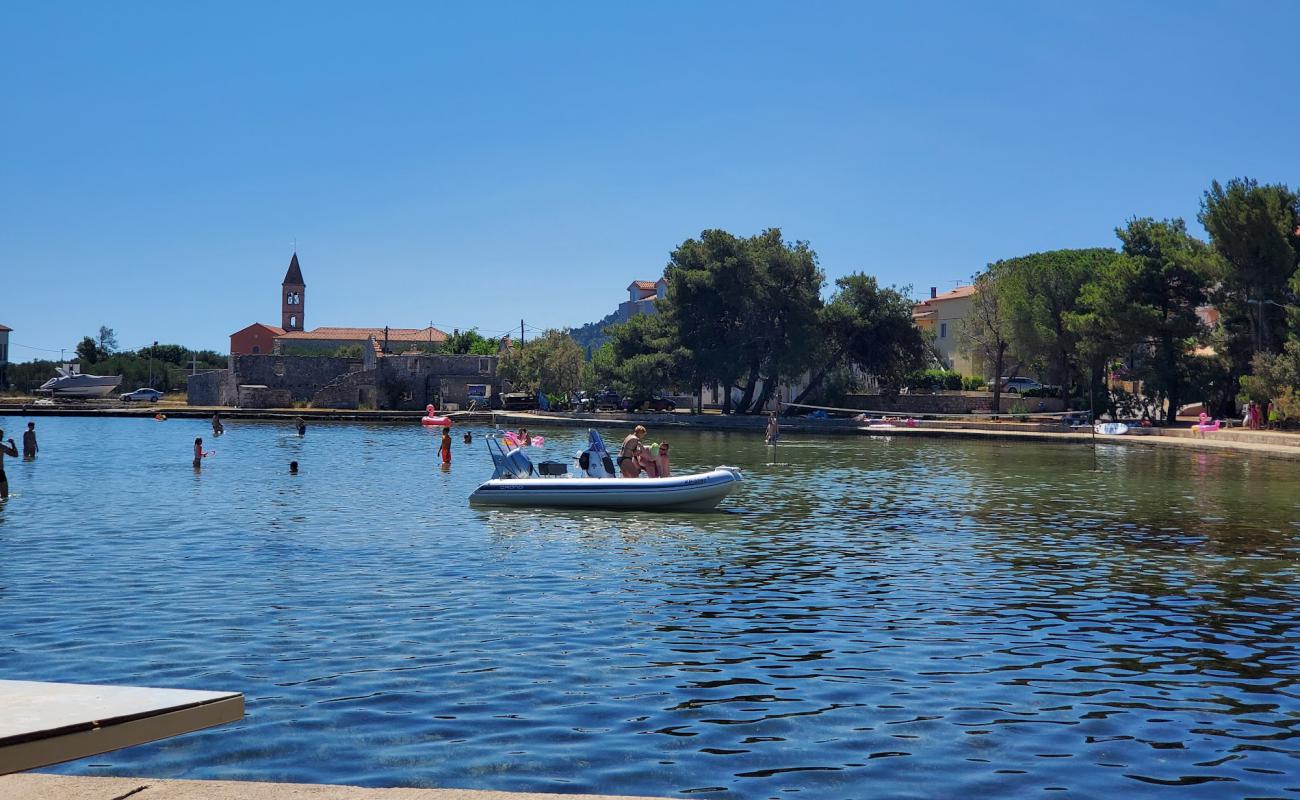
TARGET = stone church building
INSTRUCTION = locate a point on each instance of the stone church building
(336, 367)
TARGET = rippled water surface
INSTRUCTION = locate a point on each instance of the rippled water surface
(883, 618)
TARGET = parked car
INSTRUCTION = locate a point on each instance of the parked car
(657, 403)
(609, 400)
(146, 395)
(1019, 384)
(582, 401)
(519, 401)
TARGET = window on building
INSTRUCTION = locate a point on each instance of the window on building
(257, 349)
(943, 330)
(484, 366)
(293, 322)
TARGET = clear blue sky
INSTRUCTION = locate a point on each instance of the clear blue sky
(475, 164)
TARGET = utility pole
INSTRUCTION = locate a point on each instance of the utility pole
(155, 344)
(521, 331)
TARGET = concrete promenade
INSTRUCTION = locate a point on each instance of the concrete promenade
(32, 786)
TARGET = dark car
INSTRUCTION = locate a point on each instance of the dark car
(519, 401)
(657, 403)
(608, 400)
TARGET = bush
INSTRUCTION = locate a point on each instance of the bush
(972, 383)
(935, 379)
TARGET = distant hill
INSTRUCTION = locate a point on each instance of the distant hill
(592, 335)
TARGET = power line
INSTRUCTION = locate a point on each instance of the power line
(42, 349)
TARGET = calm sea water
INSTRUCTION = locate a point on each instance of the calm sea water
(868, 618)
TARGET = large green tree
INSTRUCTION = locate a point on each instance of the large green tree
(643, 357)
(986, 331)
(1143, 306)
(550, 363)
(870, 328)
(1253, 228)
(1036, 294)
(746, 308)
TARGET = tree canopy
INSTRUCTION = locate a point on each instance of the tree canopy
(551, 363)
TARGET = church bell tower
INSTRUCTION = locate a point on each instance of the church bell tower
(292, 292)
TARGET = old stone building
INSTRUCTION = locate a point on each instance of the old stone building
(333, 367)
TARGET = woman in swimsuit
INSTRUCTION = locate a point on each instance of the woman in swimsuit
(629, 454)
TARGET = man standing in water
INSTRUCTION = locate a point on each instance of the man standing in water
(217, 427)
(10, 450)
(29, 441)
(444, 449)
(773, 428)
(302, 426)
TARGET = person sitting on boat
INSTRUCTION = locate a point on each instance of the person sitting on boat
(649, 460)
(629, 454)
(665, 471)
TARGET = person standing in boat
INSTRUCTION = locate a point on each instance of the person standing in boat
(629, 454)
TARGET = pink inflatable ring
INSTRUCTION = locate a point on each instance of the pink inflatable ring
(431, 418)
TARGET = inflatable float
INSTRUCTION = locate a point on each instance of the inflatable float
(512, 439)
(1111, 428)
(1207, 424)
(516, 483)
(431, 418)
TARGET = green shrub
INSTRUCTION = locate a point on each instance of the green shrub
(972, 383)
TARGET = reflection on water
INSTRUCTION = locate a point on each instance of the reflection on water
(886, 618)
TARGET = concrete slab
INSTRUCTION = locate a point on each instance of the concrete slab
(46, 723)
(63, 787)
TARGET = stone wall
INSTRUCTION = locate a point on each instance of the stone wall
(303, 376)
(212, 388)
(353, 390)
(387, 382)
(950, 403)
(413, 382)
(263, 397)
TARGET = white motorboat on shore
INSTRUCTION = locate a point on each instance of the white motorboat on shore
(70, 382)
(517, 483)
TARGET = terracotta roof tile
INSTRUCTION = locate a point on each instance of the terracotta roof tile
(5, 328)
(275, 331)
(361, 334)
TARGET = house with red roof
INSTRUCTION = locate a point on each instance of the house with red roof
(942, 316)
(641, 298)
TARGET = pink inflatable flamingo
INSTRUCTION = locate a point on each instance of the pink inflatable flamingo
(1204, 423)
(431, 418)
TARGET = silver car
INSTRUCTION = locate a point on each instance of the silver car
(147, 395)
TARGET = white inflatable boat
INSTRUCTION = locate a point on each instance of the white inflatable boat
(516, 483)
